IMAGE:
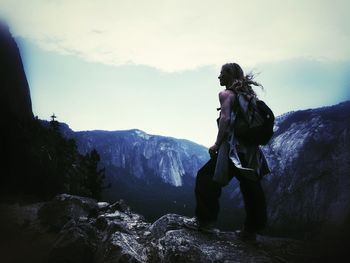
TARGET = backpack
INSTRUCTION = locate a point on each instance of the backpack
(258, 129)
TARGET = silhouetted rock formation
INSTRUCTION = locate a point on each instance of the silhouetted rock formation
(16, 111)
(87, 231)
(15, 98)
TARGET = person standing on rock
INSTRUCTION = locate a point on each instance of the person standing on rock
(232, 157)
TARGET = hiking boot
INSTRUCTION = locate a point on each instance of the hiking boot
(195, 224)
(245, 236)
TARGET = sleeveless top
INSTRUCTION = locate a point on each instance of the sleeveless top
(256, 165)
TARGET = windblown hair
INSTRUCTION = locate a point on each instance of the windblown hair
(241, 83)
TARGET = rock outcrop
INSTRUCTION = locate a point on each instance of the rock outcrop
(15, 101)
(77, 229)
(16, 111)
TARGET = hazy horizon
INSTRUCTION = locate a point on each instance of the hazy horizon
(165, 135)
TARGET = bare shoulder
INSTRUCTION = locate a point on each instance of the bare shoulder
(226, 95)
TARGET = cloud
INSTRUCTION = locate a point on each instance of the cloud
(183, 34)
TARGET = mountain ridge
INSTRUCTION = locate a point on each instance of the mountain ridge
(179, 156)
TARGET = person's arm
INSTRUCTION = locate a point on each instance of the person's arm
(226, 98)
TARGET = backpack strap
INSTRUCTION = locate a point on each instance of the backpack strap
(242, 106)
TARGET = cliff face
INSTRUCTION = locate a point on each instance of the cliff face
(16, 113)
(143, 155)
(310, 178)
(14, 90)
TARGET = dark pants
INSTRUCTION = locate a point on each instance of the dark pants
(208, 193)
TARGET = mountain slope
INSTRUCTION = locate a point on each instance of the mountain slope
(313, 147)
(142, 155)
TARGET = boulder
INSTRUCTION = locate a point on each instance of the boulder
(121, 247)
(76, 243)
(64, 207)
(167, 222)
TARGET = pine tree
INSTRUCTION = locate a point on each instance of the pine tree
(51, 164)
(94, 176)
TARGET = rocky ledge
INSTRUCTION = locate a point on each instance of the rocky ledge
(77, 229)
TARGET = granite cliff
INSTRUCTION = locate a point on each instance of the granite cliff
(142, 154)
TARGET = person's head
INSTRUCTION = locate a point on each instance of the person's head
(229, 73)
(232, 76)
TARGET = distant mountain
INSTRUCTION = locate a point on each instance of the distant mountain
(142, 154)
(310, 178)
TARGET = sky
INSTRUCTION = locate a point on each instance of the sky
(153, 65)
